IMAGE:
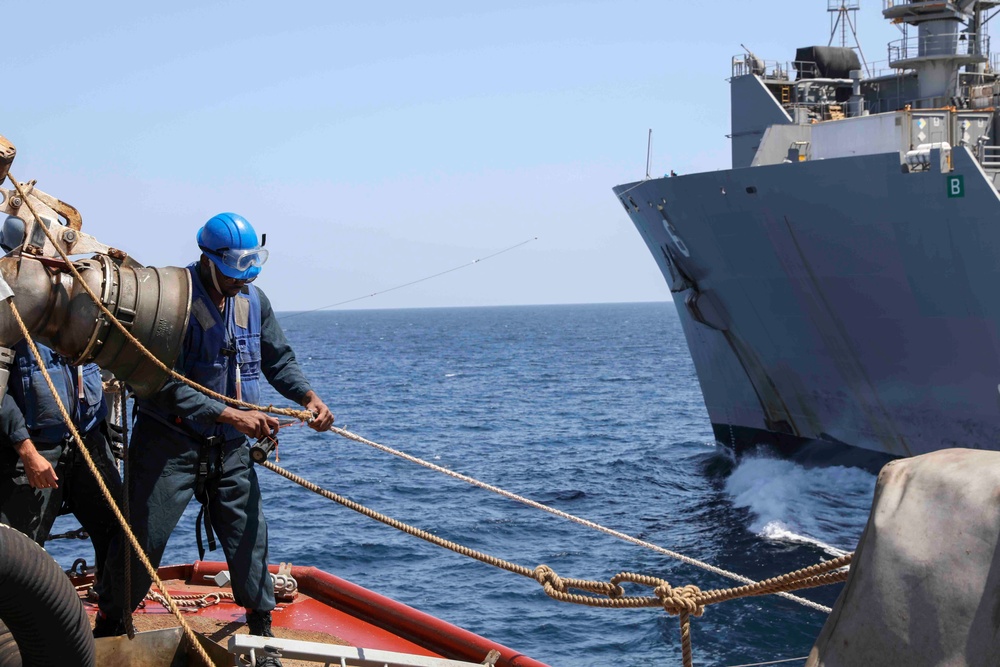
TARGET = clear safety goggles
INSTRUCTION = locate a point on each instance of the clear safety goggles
(241, 260)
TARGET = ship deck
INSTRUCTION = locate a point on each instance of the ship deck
(326, 609)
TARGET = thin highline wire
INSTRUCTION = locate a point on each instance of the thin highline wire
(566, 515)
(413, 282)
(772, 662)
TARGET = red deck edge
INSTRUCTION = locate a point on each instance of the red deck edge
(416, 626)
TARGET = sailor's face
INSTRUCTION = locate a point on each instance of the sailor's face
(227, 287)
(231, 286)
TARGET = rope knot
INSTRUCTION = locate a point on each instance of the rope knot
(546, 576)
(679, 600)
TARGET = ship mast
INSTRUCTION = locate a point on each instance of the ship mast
(842, 17)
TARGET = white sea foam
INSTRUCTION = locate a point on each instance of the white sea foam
(826, 507)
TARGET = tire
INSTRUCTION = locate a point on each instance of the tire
(40, 609)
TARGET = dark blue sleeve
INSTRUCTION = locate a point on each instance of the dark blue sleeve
(178, 398)
(13, 430)
(277, 359)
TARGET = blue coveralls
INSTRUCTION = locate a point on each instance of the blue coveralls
(176, 429)
(30, 410)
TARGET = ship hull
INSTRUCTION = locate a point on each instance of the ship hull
(843, 301)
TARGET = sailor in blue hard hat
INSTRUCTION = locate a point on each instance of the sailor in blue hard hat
(232, 343)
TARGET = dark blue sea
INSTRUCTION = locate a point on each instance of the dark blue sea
(592, 409)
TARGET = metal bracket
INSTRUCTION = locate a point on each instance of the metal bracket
(251, 646)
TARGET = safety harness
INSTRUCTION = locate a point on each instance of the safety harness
(205, 485)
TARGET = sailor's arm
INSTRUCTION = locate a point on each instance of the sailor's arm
(38, 470)
(180, 399)
(282, 370)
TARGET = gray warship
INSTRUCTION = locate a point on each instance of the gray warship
(840, 283)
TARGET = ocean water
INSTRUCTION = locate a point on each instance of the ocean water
(592, 409)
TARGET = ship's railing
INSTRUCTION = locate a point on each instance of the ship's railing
(971, 96)
(806, 69)
(744, 64)
(899, 102)
(829, 110)
(947, 44)
(774, 70)
(989, 157)
(880, 68)
(994, 62)
(889, 4)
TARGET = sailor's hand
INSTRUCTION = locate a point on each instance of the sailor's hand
(38, 470)
(323, 418)
(253, 423)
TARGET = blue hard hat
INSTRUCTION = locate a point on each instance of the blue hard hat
(231, 243)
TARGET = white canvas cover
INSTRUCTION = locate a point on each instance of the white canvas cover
(924, 587)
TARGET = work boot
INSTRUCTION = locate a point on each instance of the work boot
(108, 626)
(259, 623)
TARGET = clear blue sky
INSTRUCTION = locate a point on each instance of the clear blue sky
(377, 143)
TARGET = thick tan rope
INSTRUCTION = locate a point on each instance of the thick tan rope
(682, 601)
(191, 603)
(304, 415)
(584, 522)
(687, 655)
(81, 448)
(399, 525)
(821, 574)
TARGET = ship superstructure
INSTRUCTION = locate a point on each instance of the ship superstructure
(840, 282)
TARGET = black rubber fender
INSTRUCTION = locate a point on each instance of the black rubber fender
(40, 607)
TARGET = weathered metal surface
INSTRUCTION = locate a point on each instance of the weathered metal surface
(156, 648)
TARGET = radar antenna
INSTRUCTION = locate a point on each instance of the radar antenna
(842, 20)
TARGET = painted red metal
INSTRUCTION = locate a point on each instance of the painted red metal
(384, 619)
